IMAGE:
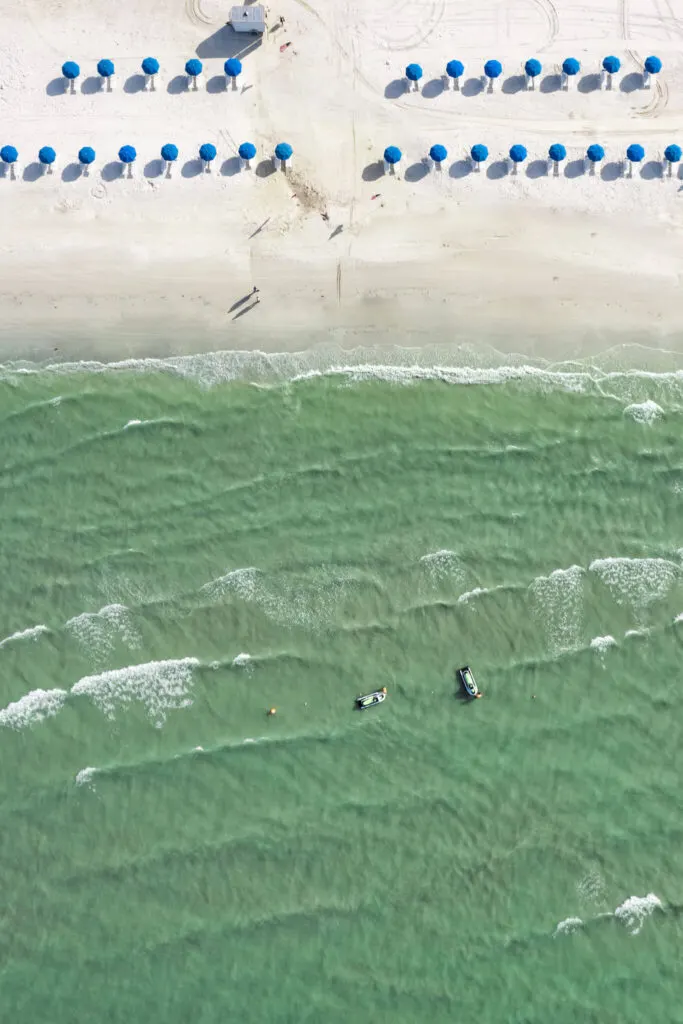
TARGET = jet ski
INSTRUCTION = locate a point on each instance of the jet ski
(371, 699)
(468, 682)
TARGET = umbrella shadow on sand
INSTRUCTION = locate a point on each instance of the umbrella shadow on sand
(112, 171)
(72, 172)
(460, 169)
(513, 84)
(154, 169)
(91, 85)
(551, 83)
(472, 87)
(33, 171)
(416, 172)
(373, 171)
(264, 169)
(231, 166)
(652, 169)
(433, 88)
(537, 169)
(575, 169)
(590, 83)
(135, 83)
(395, 89)
(57, 87)
(497, 169)
(631, 82)
(611, 171)
(191, 168)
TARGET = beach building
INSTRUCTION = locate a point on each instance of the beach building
(250, 18)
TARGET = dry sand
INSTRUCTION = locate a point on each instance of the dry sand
(103, 266)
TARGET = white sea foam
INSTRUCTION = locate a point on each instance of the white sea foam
(443, 564)
(99, 632)
(133, 423)
(568, 926)
(159, 685)
(558, 599)
(33, 707)
(679, 617)
(602, 643)
(637, 581)
(471, 595)
(291, 601)
(86, 777)
(644, 412)
(32, 633)
(634, 911)
(241, 660)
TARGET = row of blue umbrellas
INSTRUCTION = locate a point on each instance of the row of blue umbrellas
(150, 66)
(557, 153)
(570, 66)
(128, 154)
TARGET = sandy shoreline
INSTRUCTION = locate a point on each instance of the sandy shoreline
(104, 267)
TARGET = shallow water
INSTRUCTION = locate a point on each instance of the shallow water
(178, 557)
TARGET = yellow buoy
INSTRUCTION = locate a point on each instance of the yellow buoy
(272, 711)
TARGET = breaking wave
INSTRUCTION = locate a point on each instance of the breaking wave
(158, 685)
(25, 634)
(32, 708)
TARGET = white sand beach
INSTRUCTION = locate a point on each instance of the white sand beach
(108, 266)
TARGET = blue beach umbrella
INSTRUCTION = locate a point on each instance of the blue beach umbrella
(233, 67)
(247, 151)
(193, 67)
(438, 153)
(635, 153)
(533, 67)
(595, 153)
(283, 151)
(414, 72)
(150, 65)
(455, 69)
(571, 67)
(169, 152)
(47, 155)
(493, 69)
(105, 68)
(207, 152)
(557, 152)
(518, 154)
(71, 70)
(653, 65)
(479, 153)
(127, 154)
(392, 155)
(672, 155)
(86, 155)
(9, 155)
(611, 65)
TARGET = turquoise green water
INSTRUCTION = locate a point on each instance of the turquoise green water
(171, 853)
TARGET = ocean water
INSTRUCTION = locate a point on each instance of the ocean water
(185, 547)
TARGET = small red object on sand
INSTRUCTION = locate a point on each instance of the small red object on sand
(376, 195)
(285, 45)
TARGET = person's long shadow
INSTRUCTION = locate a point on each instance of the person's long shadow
(240, 302)
(247, 309)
